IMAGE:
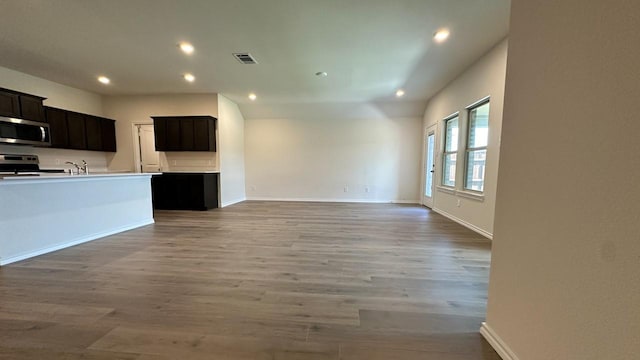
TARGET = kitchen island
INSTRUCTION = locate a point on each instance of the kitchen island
(41, 214)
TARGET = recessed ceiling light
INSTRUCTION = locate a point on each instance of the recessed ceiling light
(186, 48)
(103, 79)
(441, 35)
(252, 97)
(321, 73)
(400, 93)
(189, 77)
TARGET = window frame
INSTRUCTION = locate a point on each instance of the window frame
(446, 120)
(468, 149)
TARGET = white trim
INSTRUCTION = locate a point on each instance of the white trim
(135, 136)
(470, 195)
(75, 242)
(232, 202)
(24, 180)
(470, 226)
(461, 193)
(479, 102)
(433, 128)
(497, 343)
(455, 114)
(446, 189)
(259, 198)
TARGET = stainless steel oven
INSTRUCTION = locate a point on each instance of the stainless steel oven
(18, 131)
(22, 165)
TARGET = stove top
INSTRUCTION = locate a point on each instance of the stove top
(25, 165)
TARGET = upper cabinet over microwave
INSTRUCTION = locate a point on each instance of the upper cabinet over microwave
(19, 105)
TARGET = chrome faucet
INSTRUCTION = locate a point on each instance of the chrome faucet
(74, 164)
(84, 169)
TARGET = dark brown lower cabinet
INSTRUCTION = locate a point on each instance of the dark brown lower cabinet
(185, 191)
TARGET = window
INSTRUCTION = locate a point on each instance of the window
(476, 150)
(450, 151)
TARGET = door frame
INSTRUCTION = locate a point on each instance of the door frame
(433, 128)
(137, 161)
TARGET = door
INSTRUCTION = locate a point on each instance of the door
(429, 165)
(149, 157)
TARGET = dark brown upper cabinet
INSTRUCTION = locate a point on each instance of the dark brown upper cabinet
(93, 128)
(31, 108)
(21, 105)
(57, 119)
(185, 133)
(173, 135)
(77, 131)
(108, 128)
(72, 130)
(9, 104)
(204, 134)
(160, 133)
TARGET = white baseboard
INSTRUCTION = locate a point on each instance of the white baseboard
(370, 201)
(74, 242)
(470, 226)
(496, 342)
(228, 203)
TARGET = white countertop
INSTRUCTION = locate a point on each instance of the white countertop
(192, 172)
(67, 178)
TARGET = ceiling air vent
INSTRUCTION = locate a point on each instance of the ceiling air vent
(245, 58)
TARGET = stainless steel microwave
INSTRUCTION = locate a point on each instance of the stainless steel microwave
(19, 131)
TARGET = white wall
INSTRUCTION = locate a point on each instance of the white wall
(565, 278)
(133, 109)
(231, 149)
(60, 96)
(484, 78)
(315, 158)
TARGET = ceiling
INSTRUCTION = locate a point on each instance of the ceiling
(369, 48)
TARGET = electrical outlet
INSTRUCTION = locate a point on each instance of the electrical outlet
(366, 189)
(57, 161)
(175, 162)
(458, 203)
(346, 188)
(253, 188)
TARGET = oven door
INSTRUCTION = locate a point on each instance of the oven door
(18, 131)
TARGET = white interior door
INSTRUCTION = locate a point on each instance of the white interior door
(429, 165)
(149, 157)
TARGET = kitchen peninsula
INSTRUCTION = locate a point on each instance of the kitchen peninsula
(41, 214)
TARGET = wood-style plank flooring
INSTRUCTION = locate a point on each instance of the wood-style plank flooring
(257, 280)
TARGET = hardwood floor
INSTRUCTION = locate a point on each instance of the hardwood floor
(257, 280)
